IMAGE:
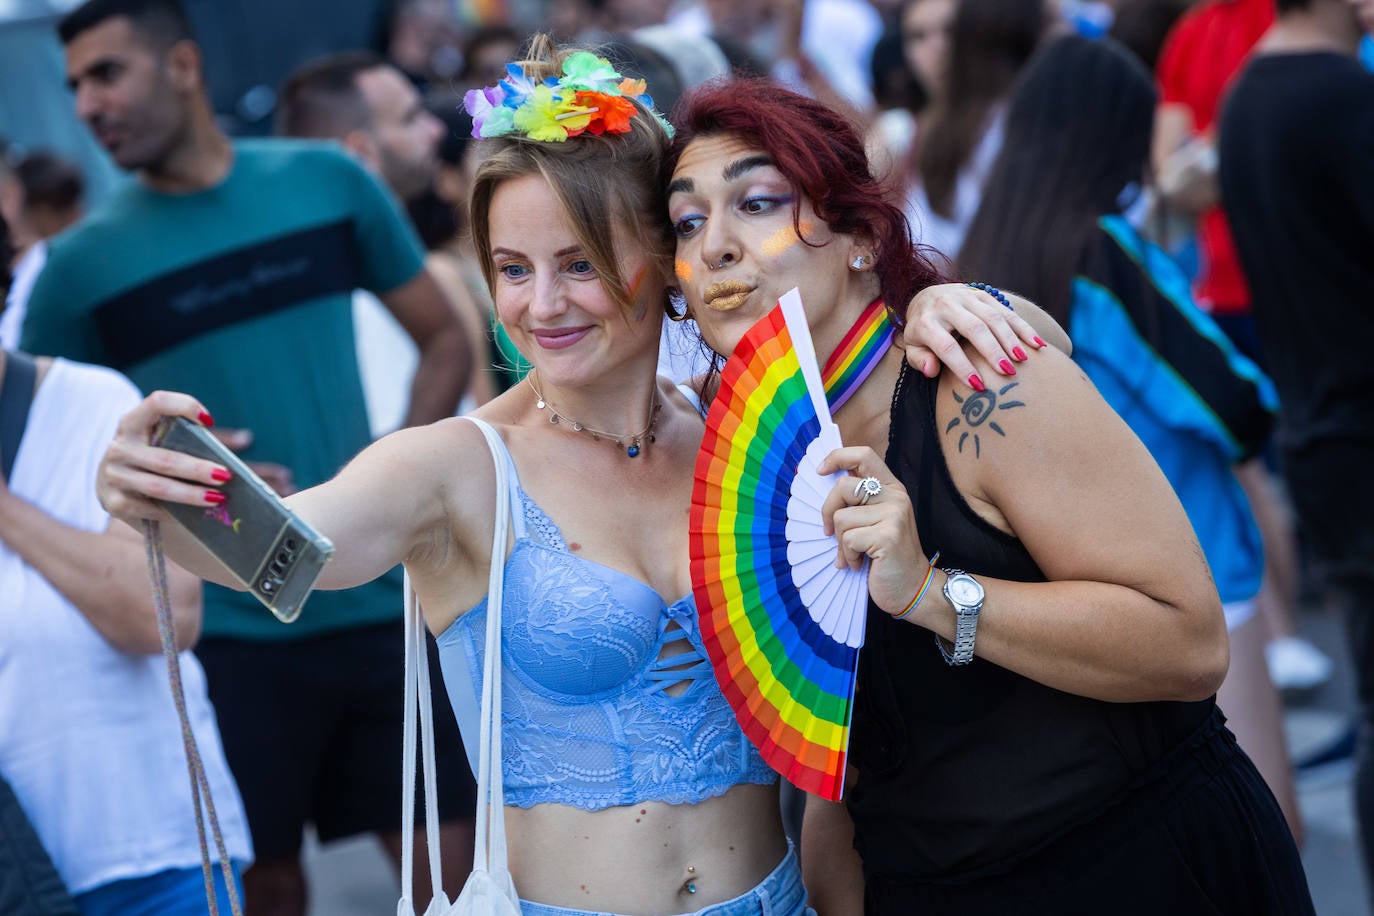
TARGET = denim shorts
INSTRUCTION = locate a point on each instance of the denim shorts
(175, 892)
(779, 894)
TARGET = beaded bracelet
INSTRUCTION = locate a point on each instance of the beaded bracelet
(930, 575)
(994, 292)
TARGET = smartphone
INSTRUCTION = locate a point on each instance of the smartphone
(268, 549)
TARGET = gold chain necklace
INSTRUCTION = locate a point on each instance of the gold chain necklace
(635, 442)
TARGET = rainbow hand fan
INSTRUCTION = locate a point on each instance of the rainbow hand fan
(782, 626)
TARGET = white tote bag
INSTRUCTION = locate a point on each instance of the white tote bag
(489, 890)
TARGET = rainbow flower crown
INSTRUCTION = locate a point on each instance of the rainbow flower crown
(590, 97)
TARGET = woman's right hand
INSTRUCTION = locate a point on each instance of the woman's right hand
(134, 474)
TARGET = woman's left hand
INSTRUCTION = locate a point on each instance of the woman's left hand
(883, 528)
(938, 313)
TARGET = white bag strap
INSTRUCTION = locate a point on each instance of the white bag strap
(490, 846)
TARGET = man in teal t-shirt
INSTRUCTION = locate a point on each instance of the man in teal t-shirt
(225, 270)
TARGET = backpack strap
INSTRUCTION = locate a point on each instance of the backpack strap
(16, 396)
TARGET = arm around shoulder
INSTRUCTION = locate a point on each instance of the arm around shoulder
(947, 323)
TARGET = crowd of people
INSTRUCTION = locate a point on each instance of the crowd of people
(548, 228)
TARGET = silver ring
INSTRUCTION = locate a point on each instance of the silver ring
(724, 259)
(866, 489)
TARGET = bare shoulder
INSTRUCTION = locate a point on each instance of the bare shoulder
(454, 454)
(427, 452)
(999, 431)
(986, 434)
(442, 471)
(1042, 455)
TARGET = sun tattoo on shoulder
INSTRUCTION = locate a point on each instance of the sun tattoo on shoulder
(975, 415)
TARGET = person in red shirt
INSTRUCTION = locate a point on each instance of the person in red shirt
(1203, 54)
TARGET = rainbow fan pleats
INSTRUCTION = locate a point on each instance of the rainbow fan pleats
(781, 625)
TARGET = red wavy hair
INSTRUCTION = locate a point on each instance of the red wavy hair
(821, 153)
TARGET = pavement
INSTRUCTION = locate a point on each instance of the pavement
(354, 877)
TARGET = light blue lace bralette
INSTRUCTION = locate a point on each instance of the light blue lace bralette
(588, 655)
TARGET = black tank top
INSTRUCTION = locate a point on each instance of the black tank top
(963, 771)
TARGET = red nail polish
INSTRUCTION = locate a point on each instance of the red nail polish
(1039, 342)
(975, 382)
(205, 419)
(214, 497)
(220, 475)
(1019, 353)
(1006, 367)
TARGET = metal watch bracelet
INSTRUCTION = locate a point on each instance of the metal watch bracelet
(967, 600)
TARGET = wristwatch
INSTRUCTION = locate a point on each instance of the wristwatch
(966, 594)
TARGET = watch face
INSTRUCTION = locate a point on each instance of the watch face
(965, 591)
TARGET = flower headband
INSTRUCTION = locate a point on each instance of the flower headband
(590, 97)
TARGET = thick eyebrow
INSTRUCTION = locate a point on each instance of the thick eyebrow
(560, 253)
(103, 63)
(731, 172)
(741, 167)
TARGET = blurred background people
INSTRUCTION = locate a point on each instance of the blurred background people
(1089, 18)
(916, 78)
(225, 268)
(1051, 227)
(40, 195)
(90, 742)
(821, 47)
(1296, 142)
(1201, 56)
(485, 53)
(440, 217)
(1142, 26)
(425, 42)
(367, 105)
(990, 42)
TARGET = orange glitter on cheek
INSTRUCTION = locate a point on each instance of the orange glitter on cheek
(682, 269)
(639, 309)
(783, 239)
(636, 283)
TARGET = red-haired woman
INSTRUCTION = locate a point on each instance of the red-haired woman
(1035, 726)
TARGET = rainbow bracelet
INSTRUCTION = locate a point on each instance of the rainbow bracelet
(930, 575)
